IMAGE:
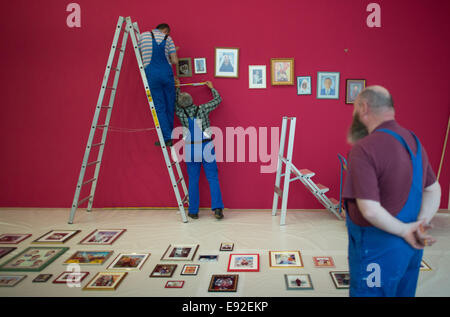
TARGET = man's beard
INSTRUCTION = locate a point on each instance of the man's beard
(357, 130)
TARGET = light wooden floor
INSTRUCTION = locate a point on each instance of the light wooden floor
(314, 233)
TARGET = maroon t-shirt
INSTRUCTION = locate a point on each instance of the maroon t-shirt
(380, 169)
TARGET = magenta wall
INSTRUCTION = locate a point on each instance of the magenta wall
(51, 74)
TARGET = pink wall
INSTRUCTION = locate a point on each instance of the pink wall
(51, 74)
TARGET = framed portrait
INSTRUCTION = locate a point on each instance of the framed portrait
(341, 279)
(6, 250)
(304, 85)
(89, 257)
(226, 246)
(200, 65)
(282, 71)
(184, 68)
(285, 259)
(424, 266)
(226, 62)
(190, 269)
(353, 88)
(224, 283)
(328, 85)
(42, 278)
(57, 236)
(129, 261)
(13, 238)
(164, 270)
(298, 281)
(257, 76)
(105, 281)
(243, 263)
(180, 252)
(174, 284)
(208, 258)
(33, 259)
(11, 280)
(103, 236)
(323, 261)
(70, 277)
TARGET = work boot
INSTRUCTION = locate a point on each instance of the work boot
(193, 216)
(218, 213)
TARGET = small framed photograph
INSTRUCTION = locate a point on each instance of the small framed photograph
(285, 259)
(180, 252)
(184, 68)
(70, 277)
(243, 263)
(89, 257)
(226, 246)
(298, 281)
(57, 236)
(224, 283)
(304, 85)
(33, 259)
(11, 280)
(208, 258)
(200, 65)
(105, 281)
(341, 279)
(353, 88)
(328, 85)
(424, 266)
(6, 250)
(129, 261)
(164, 270)
(226, 62)
(257, 76)
(103, 236)
(174, 284)
(13, 238)
(42, 278)
(190, 269)
(282, 71)
(323, 261)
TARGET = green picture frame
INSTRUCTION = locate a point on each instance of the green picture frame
(33, 259)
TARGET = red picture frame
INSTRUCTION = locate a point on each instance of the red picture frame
(21, 238)
(238, 262)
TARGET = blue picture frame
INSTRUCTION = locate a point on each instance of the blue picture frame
(328, 85)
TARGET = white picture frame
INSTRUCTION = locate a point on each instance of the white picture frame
(257, 76)
(226, 62)
(200, 65)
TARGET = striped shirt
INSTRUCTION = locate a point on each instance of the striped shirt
(146, 45)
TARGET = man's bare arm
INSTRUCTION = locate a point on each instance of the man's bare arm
(431, 200)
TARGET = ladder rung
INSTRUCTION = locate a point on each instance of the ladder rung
(106, 107)
(307, 173)
(322, 188)
(93, 163)
(334, 201)
(102, 126)
(112, 88)
(83, 200)
(178, 181)
(89, 181)
(185, 199)
(97, 144)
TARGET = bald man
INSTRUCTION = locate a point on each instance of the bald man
(390, 195)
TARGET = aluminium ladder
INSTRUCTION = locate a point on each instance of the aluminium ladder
(125, 26)
(303, 175)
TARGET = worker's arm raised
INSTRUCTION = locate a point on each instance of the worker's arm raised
(217, 99)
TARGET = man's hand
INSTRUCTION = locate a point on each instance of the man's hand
(423, 237)
(411, 235)
(209, 84)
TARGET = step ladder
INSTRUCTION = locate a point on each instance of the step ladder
(126, 28)
(303, 175)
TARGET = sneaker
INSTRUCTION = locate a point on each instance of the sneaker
(218, 213)
(193, 216)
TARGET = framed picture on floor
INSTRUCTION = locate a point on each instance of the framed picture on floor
(200, 65)
(70, 278)
(164, 270)
(257, 76)
(243, 263)
(57, 236)
(89, 257)
(129, 261)
(6, 250)
(42, 278)
(190, 269)
(208, 258)
(328, 85)
(424, 266)
(341, 279)
(226, 246)
(11, 280)
(105, 281)
(13, 238)
(353, 88)
(184, 68)
(103, 236)
(33, 259)
(224, 283)
(323, 261)
(304, 85)
(285, 259)
(180, 252)
(298, 281)
(174, 284)
(282, 70)
(226, 62)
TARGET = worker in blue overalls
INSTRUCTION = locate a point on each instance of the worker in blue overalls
(199, 149)
(386, 220)
(158, 50)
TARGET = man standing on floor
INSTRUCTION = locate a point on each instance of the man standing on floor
(391, 195)
(158, 51)
(199, 149)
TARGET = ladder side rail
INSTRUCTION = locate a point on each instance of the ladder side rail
(288, 171)
(279, 165)
(180, 173)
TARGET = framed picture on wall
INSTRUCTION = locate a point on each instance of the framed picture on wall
(257, 76)
(226, 62)
(304, 85)
(184, 68)
(353, 88)
(282, 71)
(328, 85)
(200, 65)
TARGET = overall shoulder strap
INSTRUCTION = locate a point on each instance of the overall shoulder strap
(402, 140)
